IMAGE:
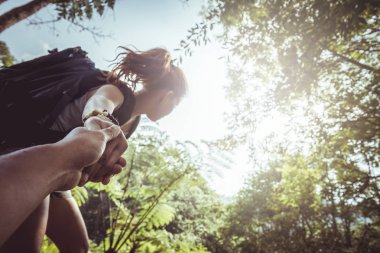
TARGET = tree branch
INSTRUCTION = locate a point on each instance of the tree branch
(94, 31)
(352, 61)
(20, 13)
(43, 22)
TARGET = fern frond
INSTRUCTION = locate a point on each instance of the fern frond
(161, 215)
(80, 195)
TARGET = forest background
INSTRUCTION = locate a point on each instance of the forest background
(293, 100)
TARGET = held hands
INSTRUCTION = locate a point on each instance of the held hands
(111, 162)
(87, 145)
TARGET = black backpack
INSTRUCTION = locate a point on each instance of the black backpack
(33, 93)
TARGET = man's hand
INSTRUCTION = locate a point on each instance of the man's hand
(89, 144)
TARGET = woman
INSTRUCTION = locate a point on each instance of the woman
(163, 86)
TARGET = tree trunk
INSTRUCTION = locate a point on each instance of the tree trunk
(20, 13)
(334, 215)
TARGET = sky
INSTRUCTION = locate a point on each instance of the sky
(144, 25)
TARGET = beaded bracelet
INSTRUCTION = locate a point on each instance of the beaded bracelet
(105, 113)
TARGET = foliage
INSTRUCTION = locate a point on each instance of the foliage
(315, 64)
(48, 246)
(74, 10)
(325, 52)
(294, 206)
(139, 209)
(199, 212)
(5, 56)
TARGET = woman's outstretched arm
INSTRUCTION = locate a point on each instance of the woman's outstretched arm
(108, 97)
(29, 175)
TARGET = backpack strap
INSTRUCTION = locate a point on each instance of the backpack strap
(133, 127)
(124, 112)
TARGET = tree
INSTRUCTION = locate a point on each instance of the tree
(199, 213)
(71, 11)
(317, 61)
(304, 54)
(299, 204)
(286, 51)
(5, 56)
(20, 13)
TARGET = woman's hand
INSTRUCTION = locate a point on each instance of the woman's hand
(111, 162)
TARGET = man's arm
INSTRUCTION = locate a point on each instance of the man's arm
(27, 176)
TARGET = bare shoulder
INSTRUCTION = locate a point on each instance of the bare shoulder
(109, 89)
(112, 92)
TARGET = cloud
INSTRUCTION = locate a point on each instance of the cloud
(45, 46)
